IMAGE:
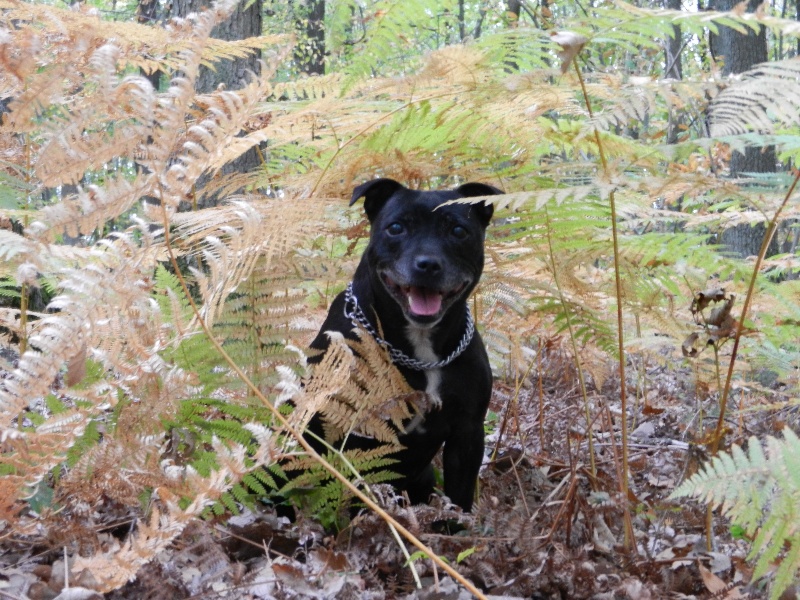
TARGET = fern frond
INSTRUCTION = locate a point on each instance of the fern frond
(383, 38)
(93, 207)
(764, 98)
(213, 142)
(760, 492)
(93, 305)
(88, 140)
(357, 388)
(307, 88)
(115, 567)
(521, 49)
(233, 240)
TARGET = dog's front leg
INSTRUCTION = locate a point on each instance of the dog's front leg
(463, 455)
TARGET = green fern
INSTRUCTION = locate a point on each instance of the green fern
(761, 493)
(201, 420)
(257, 322)
(9, 288)
(208, 417)
(90, 438)
(522, 49)
(172, 300)
(315, 491)
(383, 43)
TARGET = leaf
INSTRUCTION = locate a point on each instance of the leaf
(571, 45)
(713, 583)
(465, 554)
(703, 299)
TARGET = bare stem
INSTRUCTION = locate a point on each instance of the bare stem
(578, 368)
(773, 226)
(623, 484)
(23, 318)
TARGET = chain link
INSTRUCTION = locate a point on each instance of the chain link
(357, 317)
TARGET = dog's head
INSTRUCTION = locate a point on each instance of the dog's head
(426, 256)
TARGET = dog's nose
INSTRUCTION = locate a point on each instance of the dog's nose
(428, 264)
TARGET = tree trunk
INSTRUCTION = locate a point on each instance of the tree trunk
(147, 14)
(512, 17)
(462, 26)
(739, 52)
(745, 240)
(514, 10)
(476, 33)
(309, 54)
(674, 66)
(244, 22)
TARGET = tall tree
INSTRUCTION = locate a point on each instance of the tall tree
(514, 10)
(739, 52)
(147, 14)
(244, 22)
(673, 68)
(673, 46)
(462, 25)
(309, 53)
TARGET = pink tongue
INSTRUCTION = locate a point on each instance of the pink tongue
(423, 301)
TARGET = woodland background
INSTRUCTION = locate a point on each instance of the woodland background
(173, 224)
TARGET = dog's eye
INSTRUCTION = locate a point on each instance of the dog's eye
(395, 229)
(459, 232)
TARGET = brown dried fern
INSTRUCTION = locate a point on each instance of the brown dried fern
(106, 302)
(356, 388)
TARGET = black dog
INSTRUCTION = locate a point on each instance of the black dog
(412, 284)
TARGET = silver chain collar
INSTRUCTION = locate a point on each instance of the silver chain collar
(357, 317)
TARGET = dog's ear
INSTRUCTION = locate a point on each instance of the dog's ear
(486, 209)
(375, 193)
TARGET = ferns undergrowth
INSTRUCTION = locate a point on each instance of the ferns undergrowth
(118, 394)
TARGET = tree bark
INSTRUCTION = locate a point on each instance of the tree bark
(462, 26)
(745, 240)
(739, 52)
(674, 65)
(244, 22)
(512, 17)
(147, 14)
(514, 10)
(476, 33)
(309, 53)
(673, 68)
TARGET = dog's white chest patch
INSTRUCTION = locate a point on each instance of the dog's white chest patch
(423, 350)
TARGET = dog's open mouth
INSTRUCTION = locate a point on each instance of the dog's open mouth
(420, 301)
(423, 301)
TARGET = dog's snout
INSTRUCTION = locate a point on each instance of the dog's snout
(428, 264)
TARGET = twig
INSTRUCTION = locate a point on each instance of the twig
(623, 483)
(723, 402)
(576, 357)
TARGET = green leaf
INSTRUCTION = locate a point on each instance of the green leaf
(465, 554)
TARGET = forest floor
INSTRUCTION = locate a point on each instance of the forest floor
(544, 527)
